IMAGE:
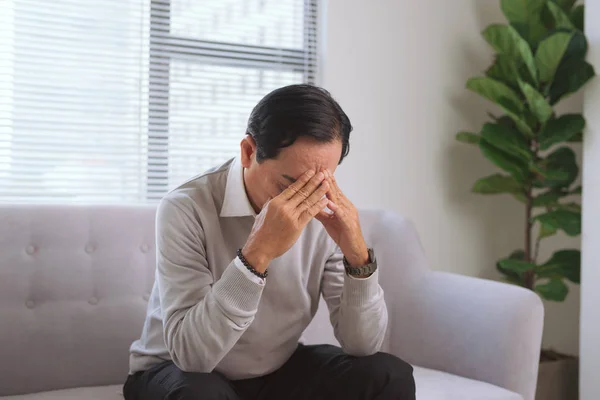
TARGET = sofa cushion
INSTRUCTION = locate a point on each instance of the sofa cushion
(437, 385)
(113, 392)
(431, 385)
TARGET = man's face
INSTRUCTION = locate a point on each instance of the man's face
(269, 178)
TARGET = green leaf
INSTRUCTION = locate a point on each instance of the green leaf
(522, 125)
(549, 54)
(520, 197)
(554, 290)
(576, 207)
(561, 20)
(502, 95)
(573, 72)
(565, 5)
(468, 137)
(521, 10)
(550, 176)
(504, 70)
(517, 255)
(505, 161)
(507, 139)
(536, 102)
(563, 263)
(577, 190)
(506, 121)
(561, 129)
(512, 276)
(570, 77)
(497, 183)
(559, 169)
(496, 92)
(577, 138)
(546, 199)
(567, 221)
(577, 48)
(532, 31)
(516, 266)
(506, 40)
(577, 17)
(547, 231)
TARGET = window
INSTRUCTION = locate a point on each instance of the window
(122, 100)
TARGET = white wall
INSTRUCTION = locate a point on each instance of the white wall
(590, 295)
(399, 69)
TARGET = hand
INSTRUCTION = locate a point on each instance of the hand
(283, 218)
(343, 224)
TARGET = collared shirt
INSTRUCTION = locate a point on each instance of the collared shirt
(208, 312)
(237, 204)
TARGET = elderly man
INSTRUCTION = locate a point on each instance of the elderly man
(244, 253)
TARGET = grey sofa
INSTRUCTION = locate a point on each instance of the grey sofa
(74, 282)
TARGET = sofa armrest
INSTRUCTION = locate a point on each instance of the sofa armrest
(480, 329)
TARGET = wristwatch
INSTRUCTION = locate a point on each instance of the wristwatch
(363, 271)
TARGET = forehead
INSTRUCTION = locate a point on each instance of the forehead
(304, 155)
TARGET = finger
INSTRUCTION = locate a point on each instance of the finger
(323, 216)
(333, 183)
(314, 197)
(291, 190)
(332, 206)
(306, 190)
(313, 211)
(332, 194)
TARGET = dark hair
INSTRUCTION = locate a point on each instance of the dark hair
(289, 112)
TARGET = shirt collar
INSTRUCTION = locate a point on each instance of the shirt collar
(235, 201)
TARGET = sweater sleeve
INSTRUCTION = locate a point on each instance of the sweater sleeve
(356, 306)
(202, 319)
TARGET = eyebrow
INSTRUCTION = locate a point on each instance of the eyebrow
(289, 178)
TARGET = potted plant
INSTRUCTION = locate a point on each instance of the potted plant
(539, 61)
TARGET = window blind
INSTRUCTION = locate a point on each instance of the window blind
(122, 100)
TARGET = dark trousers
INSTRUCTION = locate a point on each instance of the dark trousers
(320, 372)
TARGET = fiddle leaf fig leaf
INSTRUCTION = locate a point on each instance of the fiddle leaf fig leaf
(567, 221)
(549, 54)
(560, 130)
(506, 40)
(505, 161)
(554, 290)
(468, 137)
(536, 102)
(563, 263)
(497, 183)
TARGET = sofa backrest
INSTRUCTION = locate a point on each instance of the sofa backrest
(74, 284)
(75, 280)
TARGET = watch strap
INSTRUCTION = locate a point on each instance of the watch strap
(363, 270)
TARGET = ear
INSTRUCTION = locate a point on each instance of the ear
(247, 150)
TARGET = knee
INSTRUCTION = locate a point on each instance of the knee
(202, 387)
(387, 365)
(389, 372)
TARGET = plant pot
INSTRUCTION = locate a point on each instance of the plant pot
(558, 377)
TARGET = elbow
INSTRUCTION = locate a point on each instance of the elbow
(359, 351)
(184, 355)
(364, 336)
(362, 344)
(186, 365)
(188, 361)
(362, 348)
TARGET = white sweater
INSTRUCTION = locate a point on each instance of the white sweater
(207, 312)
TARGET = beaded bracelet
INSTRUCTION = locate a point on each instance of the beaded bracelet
(250, 267)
